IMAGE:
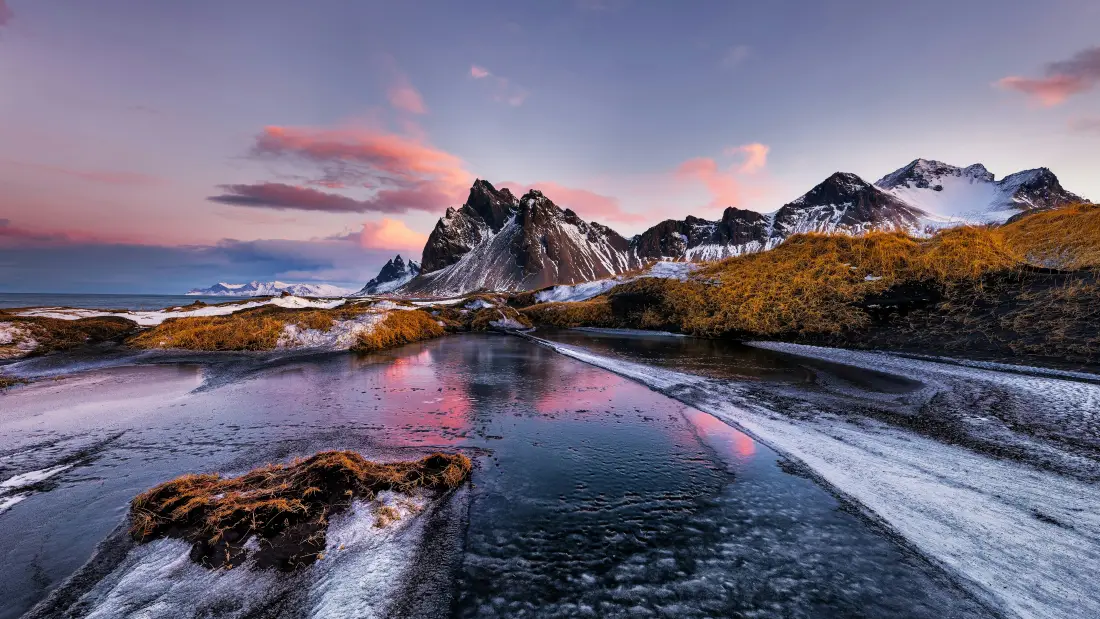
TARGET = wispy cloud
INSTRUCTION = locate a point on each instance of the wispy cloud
(5, 13)
(380, 172)
(1063, 79)
(109, 177)
(291, 197)
(735, 56)
(404, 97)
(1085, 125)
(587, 204)
(725, 182)
(504, 91)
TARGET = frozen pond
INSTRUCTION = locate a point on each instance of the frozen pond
(592, 494)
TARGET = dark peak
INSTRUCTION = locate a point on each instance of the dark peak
(740, 214)
(844, 182)
(926, 173)
(492, 205)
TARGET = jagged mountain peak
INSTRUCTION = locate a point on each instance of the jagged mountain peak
(394, 274)
(928, 174)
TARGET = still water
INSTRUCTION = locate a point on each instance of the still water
(591, 496)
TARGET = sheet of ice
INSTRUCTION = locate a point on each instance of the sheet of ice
(1025, 540)
(477, 304)
(362, 571)
(628, 332)
(32, 477)
(7, 502)
(153, 318)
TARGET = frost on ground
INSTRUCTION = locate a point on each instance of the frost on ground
(12, 490)
(370, 558)
(155, 317)
(341, 336)
(15, 341)
(1023, 537)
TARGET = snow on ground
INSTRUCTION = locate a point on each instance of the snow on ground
(477, 304)
(155, 317)
(587, 290)
(10, 489)
(341, 336)
(1024, 539)
(17, 340)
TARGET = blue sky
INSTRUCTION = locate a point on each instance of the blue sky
(334, 134)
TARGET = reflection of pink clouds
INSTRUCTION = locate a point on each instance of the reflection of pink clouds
(721, 435)
(584, 388)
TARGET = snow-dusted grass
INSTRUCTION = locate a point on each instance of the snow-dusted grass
(156, 317)
(1024, 539)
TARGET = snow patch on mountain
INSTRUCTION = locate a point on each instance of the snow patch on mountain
(393, 275)
(270, 289)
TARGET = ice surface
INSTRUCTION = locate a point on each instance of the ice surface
(32, 477)
(1025, 539)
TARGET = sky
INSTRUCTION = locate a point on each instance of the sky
(152, 147)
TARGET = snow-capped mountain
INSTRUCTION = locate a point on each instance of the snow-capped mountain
(394, 274)
(270, 289)
(495, 241)
(951, 195)
(842, 203)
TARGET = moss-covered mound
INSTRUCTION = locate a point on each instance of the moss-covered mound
(285, 508)
(38, 336)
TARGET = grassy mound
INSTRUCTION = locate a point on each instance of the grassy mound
(399, 328)
(1067, 238)
(286, 508)
(251, 329)
(55, 334)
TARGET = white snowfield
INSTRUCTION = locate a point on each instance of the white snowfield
(152, 318)
(268, 289)
(1025, 540)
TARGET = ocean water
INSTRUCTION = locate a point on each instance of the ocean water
(103, 301)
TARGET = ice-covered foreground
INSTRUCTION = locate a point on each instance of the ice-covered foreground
(1023, 537)
(155, 317)
(364, 573)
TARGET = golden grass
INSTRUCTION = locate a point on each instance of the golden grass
(398, 328)
(252, 329)
(287, 507)
(10, 381)
(1065, 238)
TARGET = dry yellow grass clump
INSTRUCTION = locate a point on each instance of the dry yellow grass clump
(811, 284)
(252, 329)
(286, 507)
(399, 328)
(1066, 238)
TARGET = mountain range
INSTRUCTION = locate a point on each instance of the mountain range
(270, 289)
(496, 241)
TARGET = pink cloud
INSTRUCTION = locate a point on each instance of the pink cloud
(391, 234)
(1063, 79)
(587, 204)
(725, 184)
(405, 98)
(756, 157)
(11, 235)
(504, 91)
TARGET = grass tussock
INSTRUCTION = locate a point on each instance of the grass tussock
(10, 381)
(398, 328)
(55, 334)
(1066, 238)
(286, 508)
(251, 329)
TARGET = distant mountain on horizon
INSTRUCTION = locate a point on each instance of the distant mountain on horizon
(496, 241)
(270, 289)
(394, 274)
